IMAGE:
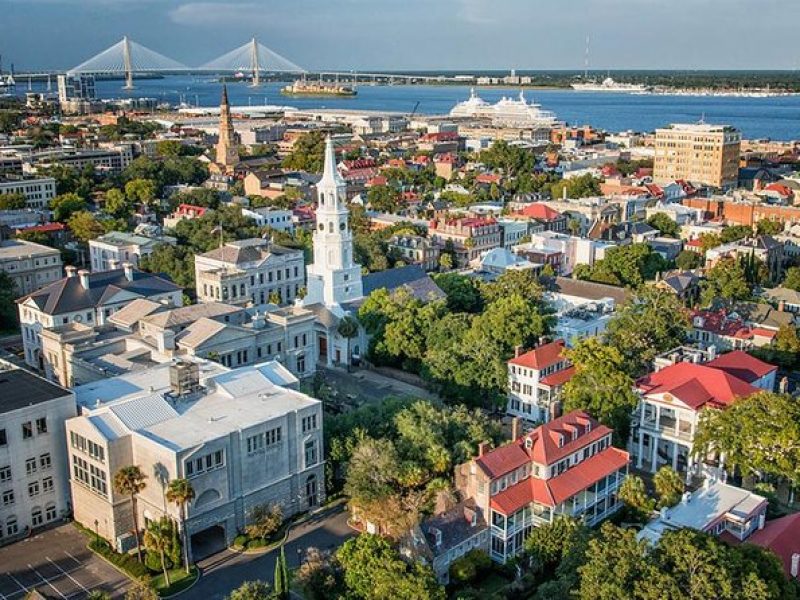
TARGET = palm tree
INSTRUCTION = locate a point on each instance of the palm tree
(130, 481)
(348, 329)
(158, 538)
(180, 493)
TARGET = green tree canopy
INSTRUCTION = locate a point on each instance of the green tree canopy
(669, 486)
(13, 201)
(688, 260)
(8, 308)
(307, 153)
(65, 205)
(726, 280)
(665, 225)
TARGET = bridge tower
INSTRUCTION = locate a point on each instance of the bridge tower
(126, 60)
(255, 65)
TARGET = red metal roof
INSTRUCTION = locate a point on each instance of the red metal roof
(540, 211)
(558, 378)
(781, 536)
(45, 228)
(740, 364)
(552, 492)
(542, 357)
(696, 385)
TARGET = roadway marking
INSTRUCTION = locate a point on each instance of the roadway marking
(75, 581)
(72, 557)
(47, 582)
(18, 582)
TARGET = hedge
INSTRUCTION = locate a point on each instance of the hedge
(126, 562)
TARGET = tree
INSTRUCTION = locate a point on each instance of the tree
(169, 148)
(709, 241)
(669, 486)
(652, 321)
(13, 201)
(116, 203)
(383, 198)
(8, 308)
(634, 494)
(583, 186)
(792, 280)
(463, 294)
(142, 191)
(158, 538)
(624, 265)
(373, 570)
(140, 590)
(522, 283)
(130, 481)
(320, 576)
(665, 225)
(787, 339)
(757, 436)
(307, 153)
(735, 233)
(445, 261)
(65, 205)
(348, 328)
(601, 386)
(551, 543)
(85, 226)
(767, 227)
(264, 521)
(281, 577)
(615, 563)
(688, 260)
(252, 590)
(469, 566)
(181, 493)
(177, 262)
(726, 280)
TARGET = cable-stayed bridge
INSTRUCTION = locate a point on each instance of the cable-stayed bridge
(128, 57)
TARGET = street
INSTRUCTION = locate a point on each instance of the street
(227, 570)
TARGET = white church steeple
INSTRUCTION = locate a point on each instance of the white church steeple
(334, 278)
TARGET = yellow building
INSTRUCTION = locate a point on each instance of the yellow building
(700, 153)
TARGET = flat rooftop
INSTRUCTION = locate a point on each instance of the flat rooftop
(20, 388)
(13, 249)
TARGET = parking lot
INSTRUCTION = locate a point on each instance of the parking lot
(57, 564)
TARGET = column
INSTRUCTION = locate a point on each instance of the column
(675, 455)
(640, 453)
(654, 453)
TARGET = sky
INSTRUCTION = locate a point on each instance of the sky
(415, 34)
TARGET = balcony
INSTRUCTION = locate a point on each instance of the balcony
(669, 427)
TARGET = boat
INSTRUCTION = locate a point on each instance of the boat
(321, 88)
(507, 112)
(609, 85)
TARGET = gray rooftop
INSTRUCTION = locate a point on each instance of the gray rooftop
(20, 388)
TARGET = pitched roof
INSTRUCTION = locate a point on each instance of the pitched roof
(696, 385)
(542, 357)
(741, 365)
(781, 536)
(68, 295)
(246, 251)
(558, 378)
(590, 290)
(413, 276)
(554, 491)
(542, 212)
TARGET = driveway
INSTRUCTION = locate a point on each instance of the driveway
(228, 570)
(59, 565)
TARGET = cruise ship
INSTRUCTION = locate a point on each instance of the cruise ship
(609, 85)
(507, 112)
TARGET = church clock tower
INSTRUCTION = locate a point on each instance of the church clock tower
(334, 278)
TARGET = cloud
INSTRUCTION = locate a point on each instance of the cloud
(215, 13)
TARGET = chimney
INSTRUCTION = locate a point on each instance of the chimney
(113, 264)
(783, 385)
(70, 270)
(795, 564)
(84, 276)
(483, 447)
(761, 518)
(128, 268)
(782, 306)
(517, 351)
(514, 428)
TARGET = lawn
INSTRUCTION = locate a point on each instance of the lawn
(179, 581)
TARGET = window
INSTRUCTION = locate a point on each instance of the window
(27, 430)
(209, 462)
(255, 443)
(11, 525)
(311, 453)
(36, 516)
(50, 512)
(30, 466)
(309, 423)
(45, 462)
(5, 474)
(301, 363)
(33, 489)
(273, 436)
(311, 490)
(3, 438)
(8, 497)
(90, 475)
(47, 484)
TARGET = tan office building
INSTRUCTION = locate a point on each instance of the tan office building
(699, 153)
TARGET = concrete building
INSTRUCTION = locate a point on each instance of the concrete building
(83, 297)
(244, 439)
(469, 237)
(113, 159)
(274, 218)
(565, 467)
(112, 249)
(34, 487)
(700, 153)
(535, 382)
(415, 250)
(716, 508)
(30, 265)
(249, 272)
(672, 400)
(37, 191)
